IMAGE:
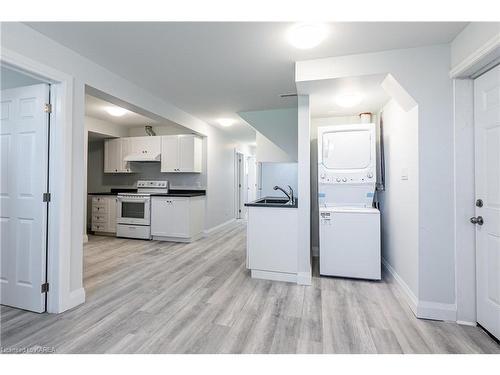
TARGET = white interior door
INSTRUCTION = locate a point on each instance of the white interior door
(487, 219)
(24, 159)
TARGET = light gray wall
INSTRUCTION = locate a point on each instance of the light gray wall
(25, 41)
(399, 201)
(424, 73)
(280, 174)
(11, 79)
(279, 126)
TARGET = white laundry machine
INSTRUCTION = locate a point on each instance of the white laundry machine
(350, 242)
(349, 225)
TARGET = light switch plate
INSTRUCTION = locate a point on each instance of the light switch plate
(404, 173)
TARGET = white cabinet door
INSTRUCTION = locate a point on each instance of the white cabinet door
(189, 154)
(169, 153)
(180, 216)
(112, 154)
(181, 153)
(487, 219)
(152, 145)
(23, 180)
(124, 166)
(170, 217)
(145, 145)
(115, 151)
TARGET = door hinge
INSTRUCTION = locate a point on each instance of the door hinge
(46, 197)
(45, 287)
(47, 108)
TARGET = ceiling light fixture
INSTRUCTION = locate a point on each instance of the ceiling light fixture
(307, 35)
(349, 100)
(116, 111)
(226, 122)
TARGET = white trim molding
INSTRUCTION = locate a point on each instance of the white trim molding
(304, 278)
(422, 309)
(481, 57)
(206, 232)
(437, 311)
(410, 297)
(60, 297)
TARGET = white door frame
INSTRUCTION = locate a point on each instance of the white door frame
(60, 297)
(239, 170)
(464, 179)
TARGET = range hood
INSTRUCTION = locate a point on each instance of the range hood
(143, 157)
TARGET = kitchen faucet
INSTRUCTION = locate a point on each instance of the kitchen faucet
(289, 195)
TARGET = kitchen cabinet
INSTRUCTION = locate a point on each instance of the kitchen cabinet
(181, 153)
(177, 218)
(115, 151)
(272, 248)
(145, 145)
(103, 214)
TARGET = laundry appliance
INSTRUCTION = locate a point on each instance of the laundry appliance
(349, 235)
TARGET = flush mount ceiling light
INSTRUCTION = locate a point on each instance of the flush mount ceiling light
(307, 35)
(226, 122)
(116, 111)
(349, 99)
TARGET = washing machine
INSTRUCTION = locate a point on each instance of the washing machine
(350, 242)
(349, 231)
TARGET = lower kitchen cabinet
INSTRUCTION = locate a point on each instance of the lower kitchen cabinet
(104, 214)
(179, 219)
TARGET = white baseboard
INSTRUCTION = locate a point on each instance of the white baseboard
(410, 297)
(85, 238)
(275, 276)
(75, 298)
(304, 278)
(437, 311)
(464, 323)
(218, 227)
(423, 309)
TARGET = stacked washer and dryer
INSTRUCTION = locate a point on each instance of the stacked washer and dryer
(349, 233)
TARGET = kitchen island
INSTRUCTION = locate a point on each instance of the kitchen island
(272, 248)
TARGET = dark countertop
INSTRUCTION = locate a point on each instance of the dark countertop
(272, 205)
(181, 193)
(171, 193)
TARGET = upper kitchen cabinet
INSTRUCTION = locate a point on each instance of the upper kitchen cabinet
(181, 153)
(144, 149)
(115, 151)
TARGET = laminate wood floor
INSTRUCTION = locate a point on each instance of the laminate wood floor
(163, 297)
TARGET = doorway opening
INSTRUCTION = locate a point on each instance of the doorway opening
(240, 185)
(25, 189)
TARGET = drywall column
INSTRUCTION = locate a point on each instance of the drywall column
(304, 193)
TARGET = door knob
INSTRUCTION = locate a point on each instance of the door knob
(477, 220)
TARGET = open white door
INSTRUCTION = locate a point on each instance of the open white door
(24, 163)
(487, 219)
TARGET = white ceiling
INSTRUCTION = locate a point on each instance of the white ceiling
(324, 92)
(96, 107)
(217, 69)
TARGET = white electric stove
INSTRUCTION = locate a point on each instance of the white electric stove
(133, 210)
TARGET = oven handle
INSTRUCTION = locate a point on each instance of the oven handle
(135, 200)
